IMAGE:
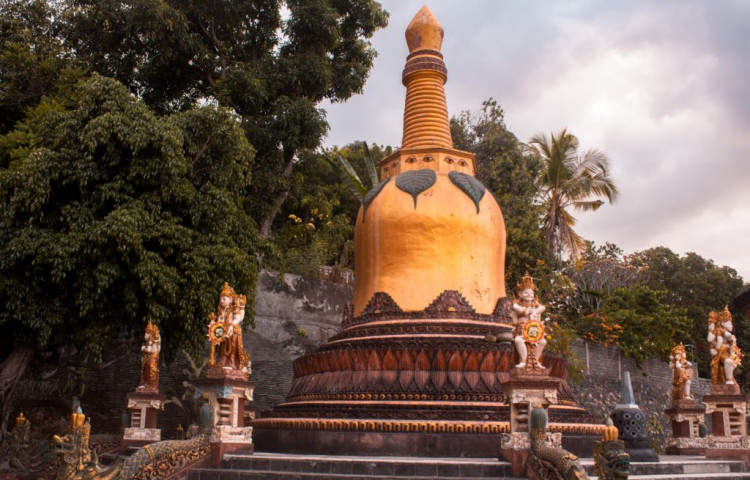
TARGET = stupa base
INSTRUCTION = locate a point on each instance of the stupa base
(402, 438)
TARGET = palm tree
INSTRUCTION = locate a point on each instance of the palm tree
(569, 179)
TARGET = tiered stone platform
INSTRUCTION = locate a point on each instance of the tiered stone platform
(268, 466)
(413, 383)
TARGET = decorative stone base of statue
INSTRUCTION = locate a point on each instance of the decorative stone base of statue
(526, 388)
(229, 399)
(728, 439)
(727, 412)
(143, 408)
(688, 428)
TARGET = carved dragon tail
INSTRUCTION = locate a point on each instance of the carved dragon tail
(553, 461)
(153, 453)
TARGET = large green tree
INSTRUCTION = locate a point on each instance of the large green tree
(31, 58)
(270, 61)
(112, 215)
(699, 286)
(569, 179)
(510, 174)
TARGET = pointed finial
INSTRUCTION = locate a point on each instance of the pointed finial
(424, 32)
(627, 390)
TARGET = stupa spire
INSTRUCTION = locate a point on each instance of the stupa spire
(426, 112)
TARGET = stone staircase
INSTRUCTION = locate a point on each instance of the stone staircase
(268, 466)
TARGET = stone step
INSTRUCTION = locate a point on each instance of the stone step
(673, 466)
(388, 467)
(317, 467)
(279, 475)
(690, 476)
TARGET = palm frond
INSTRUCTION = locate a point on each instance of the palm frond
(589, 205)
(348, 175)
(370, 166)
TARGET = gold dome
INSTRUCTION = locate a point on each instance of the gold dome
(430, 226)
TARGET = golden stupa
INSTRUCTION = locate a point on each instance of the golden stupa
(411, 371)
(436, 228)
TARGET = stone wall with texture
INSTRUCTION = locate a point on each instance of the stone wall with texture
(601, 388)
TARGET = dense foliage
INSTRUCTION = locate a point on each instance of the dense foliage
(146, 150)
(511, 176)
(112, 215)
(271, 66)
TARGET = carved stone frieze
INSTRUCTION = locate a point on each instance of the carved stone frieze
(503, 309)
(515, 441)
(689, 442)
(449, 304)
(142, 434)
(135, 403)
(736, 406)
(229, 434)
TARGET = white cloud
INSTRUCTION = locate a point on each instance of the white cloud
(663, 88)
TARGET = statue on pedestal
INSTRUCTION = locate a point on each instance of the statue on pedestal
(682, 373)
(150, 359)
(725, 354)
(225, 331)
(528, 329)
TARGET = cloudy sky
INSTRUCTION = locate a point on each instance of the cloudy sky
(663, 87)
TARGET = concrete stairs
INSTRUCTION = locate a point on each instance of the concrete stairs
(274, 466)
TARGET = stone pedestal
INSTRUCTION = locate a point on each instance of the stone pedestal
(229, 395)
(143, 405)
(727, 407)
(686, 417)
(524, 390)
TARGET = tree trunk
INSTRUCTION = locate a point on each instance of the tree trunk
(264, 231)
(11, 370)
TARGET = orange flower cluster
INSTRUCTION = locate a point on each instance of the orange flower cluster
(603, 330)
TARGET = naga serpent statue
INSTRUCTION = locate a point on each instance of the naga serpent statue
(77, 460)
(548, 462)
(157, 460)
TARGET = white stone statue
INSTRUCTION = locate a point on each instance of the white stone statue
(725, 355)
(682, 373)
(526, 308)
